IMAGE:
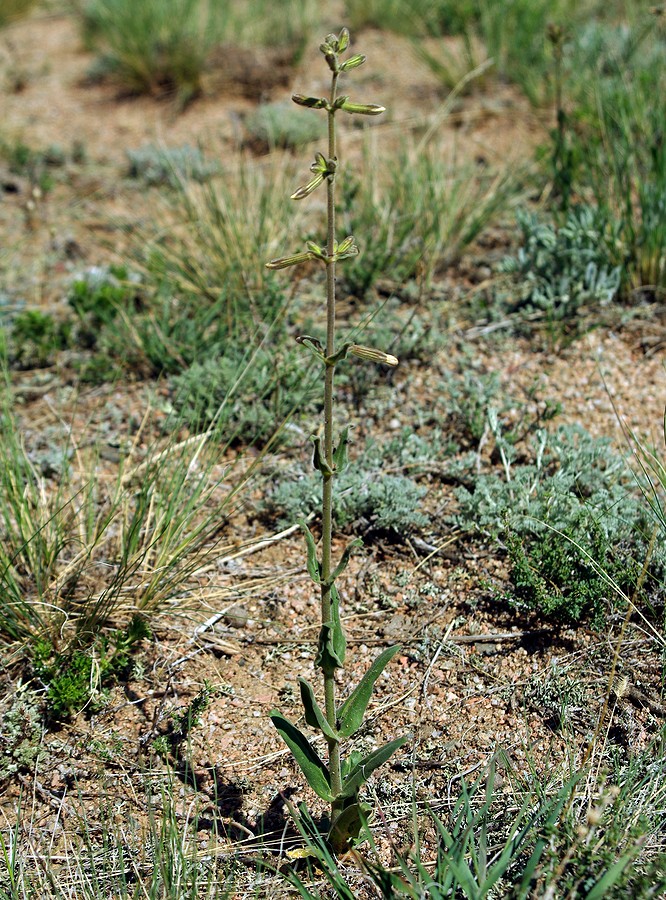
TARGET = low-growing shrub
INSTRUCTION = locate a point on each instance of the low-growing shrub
(156, 165)
(574, 527)
(558, 270)
(248, 395)
(280, 125)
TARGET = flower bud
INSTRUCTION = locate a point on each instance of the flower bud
(310, 102)
(363, 109)
(286, 261)
(352, 63)
(377, 356)
(343, 40)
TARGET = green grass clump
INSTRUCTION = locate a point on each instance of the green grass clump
(35, 339)
(76, 678)
(159, 47)
(421, 211)
(11, 10)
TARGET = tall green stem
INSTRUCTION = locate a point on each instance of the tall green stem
(327, 490)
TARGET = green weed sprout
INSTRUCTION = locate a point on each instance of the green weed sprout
(338, 782)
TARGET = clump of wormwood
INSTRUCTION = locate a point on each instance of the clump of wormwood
(340, 781)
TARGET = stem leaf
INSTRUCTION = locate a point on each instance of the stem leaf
(344, 561)
(314, 569)
(348, 825)
(353, 709)
(332, 640)
(366, 766)
(340, 454)
(312, 766)
(318, 460)
(314, 714)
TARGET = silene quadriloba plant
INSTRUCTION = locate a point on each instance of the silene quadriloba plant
(340, 781)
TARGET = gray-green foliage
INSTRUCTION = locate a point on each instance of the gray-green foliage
(569, 516)
(248, 395)
(21, 731)
(157, 165)
(281, 125)
(558, 270)
(368, 497)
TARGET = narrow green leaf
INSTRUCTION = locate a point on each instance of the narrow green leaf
(339, 639)
(364, 769)
(344, 561)
(314, 769)
(314, 569)
(340, 454)
(314, 714)
(611, 876)
(353, 709)
(318, 460)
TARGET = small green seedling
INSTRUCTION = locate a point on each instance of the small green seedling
(339, 781)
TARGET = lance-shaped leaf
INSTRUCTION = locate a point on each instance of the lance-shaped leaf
(314, 715)
(340, 453)
(312, 766)
(344, 560)
(318, 458)
(286, 261)
(339, 639)
(332, 641)
(347, 827)
(352, 63)
(310, 102)
(366, 766)
(327, 659)
(373, 355)
(352, 711)
(314, 569)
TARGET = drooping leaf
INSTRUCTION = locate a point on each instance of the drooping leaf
(344, 560)
(347, 827)
(313, 563)
(340, 453)
(314, 715)
(312, 766)
(353, 709)
(339, 639)
(338, 355)
(318, 459)
(366, 766)
(327, 659)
